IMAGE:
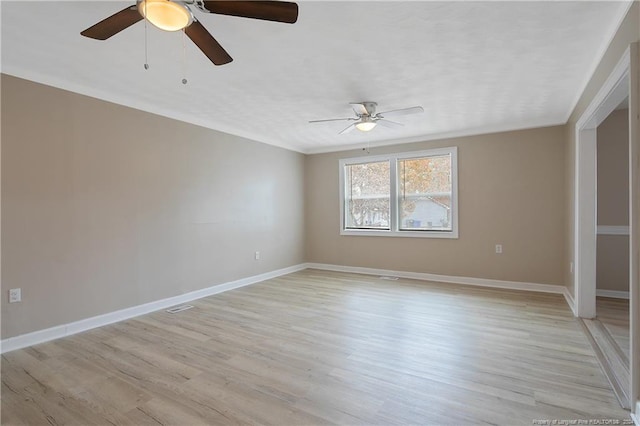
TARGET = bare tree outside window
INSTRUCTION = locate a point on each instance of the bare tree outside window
(368, 195)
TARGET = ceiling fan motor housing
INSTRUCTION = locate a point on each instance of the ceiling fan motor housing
(370, 108)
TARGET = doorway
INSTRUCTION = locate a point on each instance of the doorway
(622, 84)
(610, 329)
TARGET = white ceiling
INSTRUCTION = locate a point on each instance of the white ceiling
(475, 67)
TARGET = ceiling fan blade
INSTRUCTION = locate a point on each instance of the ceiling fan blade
(359, 108)
(277, 11)
(403, 111)
(389, 124)
(113, 24)
(348, 129)
(209, 46)
(331, 119)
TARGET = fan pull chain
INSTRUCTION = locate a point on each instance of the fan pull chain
(146, 50)
(184, 58)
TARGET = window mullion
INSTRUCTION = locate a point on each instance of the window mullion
(393, 188)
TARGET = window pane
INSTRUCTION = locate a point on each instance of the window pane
(367, 195)
(424, 192)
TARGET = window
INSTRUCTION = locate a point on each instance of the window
(410, 194)
(368, 195)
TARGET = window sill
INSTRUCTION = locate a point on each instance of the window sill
(410, 234)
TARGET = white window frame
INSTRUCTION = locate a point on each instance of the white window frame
(394, 220)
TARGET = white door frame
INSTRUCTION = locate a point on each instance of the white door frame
(623, 81)
(612, 93)
(634, 225)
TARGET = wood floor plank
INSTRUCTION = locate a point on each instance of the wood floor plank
(318, 347)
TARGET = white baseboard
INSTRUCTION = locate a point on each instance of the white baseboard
(570, 301)
(482, 282)
(613, 293)
(63, 330)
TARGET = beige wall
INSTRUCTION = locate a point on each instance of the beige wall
(612, 267)
(628, 33)
(613, 169)
(106, 207)
(511, 191)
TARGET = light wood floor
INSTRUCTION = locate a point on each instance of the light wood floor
(318, 348)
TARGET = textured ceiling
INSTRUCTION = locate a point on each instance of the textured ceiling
(475, 67)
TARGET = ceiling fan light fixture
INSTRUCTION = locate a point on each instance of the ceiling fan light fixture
(366, 124)
(165, 14)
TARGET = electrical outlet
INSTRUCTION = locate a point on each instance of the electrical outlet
(499, 248)
(15, 295)
(257, 255)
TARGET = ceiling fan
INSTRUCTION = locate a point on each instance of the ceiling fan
(366, 117)
(174, 15)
